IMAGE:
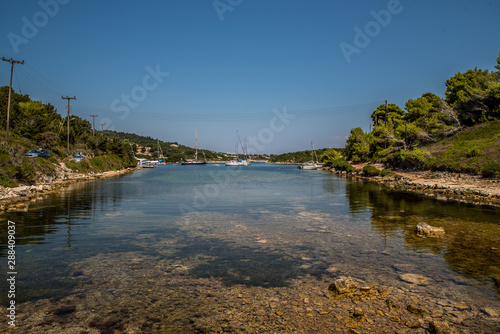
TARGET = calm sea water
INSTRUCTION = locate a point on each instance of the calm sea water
(266, 223)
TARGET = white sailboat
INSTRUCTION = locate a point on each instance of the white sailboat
(195, 161)
(236, 161)
(311, 165)
(160, 156)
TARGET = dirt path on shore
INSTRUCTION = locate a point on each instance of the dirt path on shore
(473, 189)
(474, 183)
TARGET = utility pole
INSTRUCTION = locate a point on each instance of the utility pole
(406, 134)
(69, 99)
(385, 113)
(102, 128)
(93, 124)
(12, 62)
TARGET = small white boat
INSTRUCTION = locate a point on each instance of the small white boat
(311, 165)
(236, 161)
(144, 163)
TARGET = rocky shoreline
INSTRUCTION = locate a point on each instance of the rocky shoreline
(17, 199)
(443, 186)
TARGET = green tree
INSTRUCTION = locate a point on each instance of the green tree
(475, 95)
(393, 116)
(329, 156)
(433, 116)
(358, 145)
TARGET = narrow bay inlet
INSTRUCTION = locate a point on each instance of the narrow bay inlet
(259, 252)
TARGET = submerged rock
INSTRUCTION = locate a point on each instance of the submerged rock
(426, 230)
(416, 310)
(491, 312)
(358, 313)
(343, 285)
(439, 327)
(414, 279)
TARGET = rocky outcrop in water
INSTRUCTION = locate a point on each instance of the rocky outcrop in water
(425, 230)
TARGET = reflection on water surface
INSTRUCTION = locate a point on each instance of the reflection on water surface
(260, 226)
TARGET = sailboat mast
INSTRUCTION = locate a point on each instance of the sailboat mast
(196, 144)
(236, 146)
(313, 154)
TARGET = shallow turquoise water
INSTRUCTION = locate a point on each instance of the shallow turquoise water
(258, 225)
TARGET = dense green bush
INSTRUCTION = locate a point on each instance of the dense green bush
(6, 181)
(473, 152)
(81, 167)
(26, 171)
(415, 158)
(370, 170)
(110, 162)
(491, 169)
(342, 165)
(387, 173)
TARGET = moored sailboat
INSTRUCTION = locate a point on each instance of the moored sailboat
(311, 165)
(236, 161)
(195, 161)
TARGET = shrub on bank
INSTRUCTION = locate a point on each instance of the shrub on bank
(81, 167)
(407, 159)
(111, 162)
(387, 173)
(491, 169)
(6, 182)
(342, 165)
(25, 173)
(370, 170)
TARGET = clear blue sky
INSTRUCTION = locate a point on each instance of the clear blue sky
(230, 63)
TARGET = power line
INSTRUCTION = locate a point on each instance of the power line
(28, 76)
(47, 80)
(246, 116)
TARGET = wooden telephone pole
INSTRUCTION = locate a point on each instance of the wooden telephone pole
(12, 62)
(93, 124)
(69, 99)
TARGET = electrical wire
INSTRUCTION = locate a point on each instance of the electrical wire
(54, 91)
(30, 77)
(49, 82)
(365, 107)
(18, 85)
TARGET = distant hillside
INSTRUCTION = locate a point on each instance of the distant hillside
(172, 151)
(297, 157)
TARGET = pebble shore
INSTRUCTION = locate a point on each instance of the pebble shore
(440, 185)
